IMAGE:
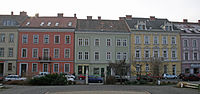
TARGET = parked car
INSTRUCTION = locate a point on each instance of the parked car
(144, 78)
(168, 76)
(81, 77)
(190, 77)
(14, 77)
(70, 77)
(41, 74)
(95, 79)
(180, 76)
(154, 77)
(124, 78)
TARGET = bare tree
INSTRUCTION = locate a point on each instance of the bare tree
(121, 68)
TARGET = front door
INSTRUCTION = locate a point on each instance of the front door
(23, 70)
(1, 69)
(102, 72)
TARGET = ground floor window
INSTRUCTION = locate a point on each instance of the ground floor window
(56, 67)
(174, 69)
(45, 67)
(165, 68)
(79, 69)
(34, 67)
(85, 68)
(96, 71)
(67, 67)
(9, 66)
(187, 70)
(196, 70)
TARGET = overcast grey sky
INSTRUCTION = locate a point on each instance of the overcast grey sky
(174, 10)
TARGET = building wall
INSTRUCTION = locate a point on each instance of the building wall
(102, 49)
(6, 45)
(151, 47)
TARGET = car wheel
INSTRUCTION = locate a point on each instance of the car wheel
(99, 81)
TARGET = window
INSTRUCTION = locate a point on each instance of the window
(118, 42)
(164, 40)
(80, 70)
(108, 55)
(138, 67)
(56, 24)
(9, 66)
(124, 42)
(155, 53)
(70, 24)
(165, 68)
(96, 56)
(137, 53)
(137, 39)
(118, 56)
(56, 67)
(11, 37)
(195, 56)
(35, 39)
(146, 39)
(2, 38)
(35, 53)
(173, 54)
(49, 24)
(25, 39)
(56, 39)
(1, 52)
(67, 39)
(80, 42)
(34, 67)
(108, 42)
(86, 55)
(165, 54)
(46, 39)
(96, 71)
(174, 69)
(124, 56)
(86, 42)
(194, 43)
(67, 53)
(42, 23)
(186, 57)
(185, 43)
(155, 40)
(97, 42)
(173, 40)
(67, 67)
(146, 53)
(56, 53)
(45, 67)
(80, 55)
(46, 53)
(24, 52)
(187, 70)
(147, 67)
(10, 52)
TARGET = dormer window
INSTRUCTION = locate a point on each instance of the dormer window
(42, 23)
(70, 24)
(49, 24)
(141, 25)
(28, 23)
(56, 24)
(167, 26)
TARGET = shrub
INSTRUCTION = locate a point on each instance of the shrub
(16, 82)
(50, 79)
(110, 80)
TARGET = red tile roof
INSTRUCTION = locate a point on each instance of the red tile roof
(35, 22)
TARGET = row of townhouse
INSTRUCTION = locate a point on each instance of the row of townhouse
(30, 45)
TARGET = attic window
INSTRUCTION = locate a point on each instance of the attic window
(111, 26)
(141, 27)
(28, 23)
(70, 24)
(56, 24)
(49, 23)
(42, 23)
(168, 28)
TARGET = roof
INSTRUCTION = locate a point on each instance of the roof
(151, 24)
(11, 20)
(102, 25)
(50, 22)
(188, 27)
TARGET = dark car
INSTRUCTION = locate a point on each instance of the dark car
(190, 77)
(95, 79)
(144, 78)
(180, 76)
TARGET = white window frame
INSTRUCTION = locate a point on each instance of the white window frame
(136, 53)
(188, 55)
(11, 39)
(98, 56)
(46, 35)
(108, 55)
(54, 55)
(158, 52)
(65, 68)
(9, 52)
(108, 41)
(37, 40)
(118, 41)
(47, 67)
(95, 42)
(125, 56)
(124, 42)
(65, 54)
(137, 41)
(118, 54)
(3, 52)
(145, 53)
(55, 39)
(22, 53)
(147, 67)
(163, 40)
(43, 52)
(154, 37)
(193, 55)
(172, 54)
(146, 39)
(86, 41)
(80, 55)
(193, 43)
(36, 67)
(54, 67)
(33, 53)
(186, 43)
(85, 55)
(23, 39)
(69, 39)
(174, 40)
(166, 53)
(80, 40)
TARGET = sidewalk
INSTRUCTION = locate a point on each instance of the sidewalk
(100, 92)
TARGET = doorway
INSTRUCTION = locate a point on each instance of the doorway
(1, 69)
(23, 70)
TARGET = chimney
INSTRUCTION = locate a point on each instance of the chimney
(199, 21)
(99, 17)
(185, 20)
(89, 17)
(23, 13)
(128, 17)
(121, 18)
(60, 15)
(37, 15)
(75, 15)
(12, 13)
(152, 18)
